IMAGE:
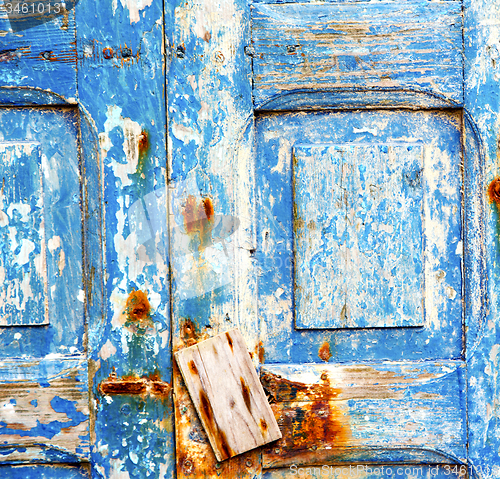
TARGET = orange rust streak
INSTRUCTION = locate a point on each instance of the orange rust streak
(245, 391)
(192, 367)
(324, 352)
(123, 387)
(281, 389)
(308, 416)
(230, 341)
(261, 352)
(138, 307)
(209, 208)
(494, 191)
(143, 143)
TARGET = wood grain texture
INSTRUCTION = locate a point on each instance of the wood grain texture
(410, 45)
(45, 410)
(23, 265)
(358, 229)
(390, 411)
(43, 57)
(227, 394)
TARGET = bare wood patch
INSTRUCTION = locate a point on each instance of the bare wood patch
(227, 395)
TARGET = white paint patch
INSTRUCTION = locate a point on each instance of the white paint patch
(18, 336)
(185, 134)
(54, 243)
(132, 133)
(372, 131)
(117, 467)
(4, 219)
(81, 295)
(107, 350)
(283, 156)
(27, 247)
(134, 7)
(22, 208)
(62, 262)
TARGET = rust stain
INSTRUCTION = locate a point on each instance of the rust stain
(494, 191)
(198, 220)
(207, 37)
(189, 333)
(324, 352)
(245, 391)
(307, 415)
(209, 421)
(208, 207)
(230, 341)
(206, 408)
(280, 389)
(130, 384)
(193, 368)
(263, 425)
(138, 307)
(108, 53)
(143, 143)
(224, 446)
(261, 352)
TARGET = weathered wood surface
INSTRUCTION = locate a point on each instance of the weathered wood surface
(120, 64)
(358, 234)
(388, 413)
(38, 471)
(410, 45)
(438, 133)
(23, 265)
(44, 413)
(227, 394)
(42, 57)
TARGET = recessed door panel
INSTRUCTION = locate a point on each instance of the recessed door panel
(358, 235)
(390, 288)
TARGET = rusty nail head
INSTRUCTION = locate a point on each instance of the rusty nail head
(291, 48)
(324, 376)
(494, 190)
(107, 53)
(218, 465)
(188, 465)
(181, 51)
(126, 53)
(277, 451)
(249, 463)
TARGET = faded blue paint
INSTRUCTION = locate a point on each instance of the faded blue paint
(121, 89)
(404, 45)
(42, 57)
(358, 229)
(42, 471)
(55, 130)
(442, 338)
(23, 236)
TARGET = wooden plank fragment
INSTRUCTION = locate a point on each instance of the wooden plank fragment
(227, 394)
(411, 45)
